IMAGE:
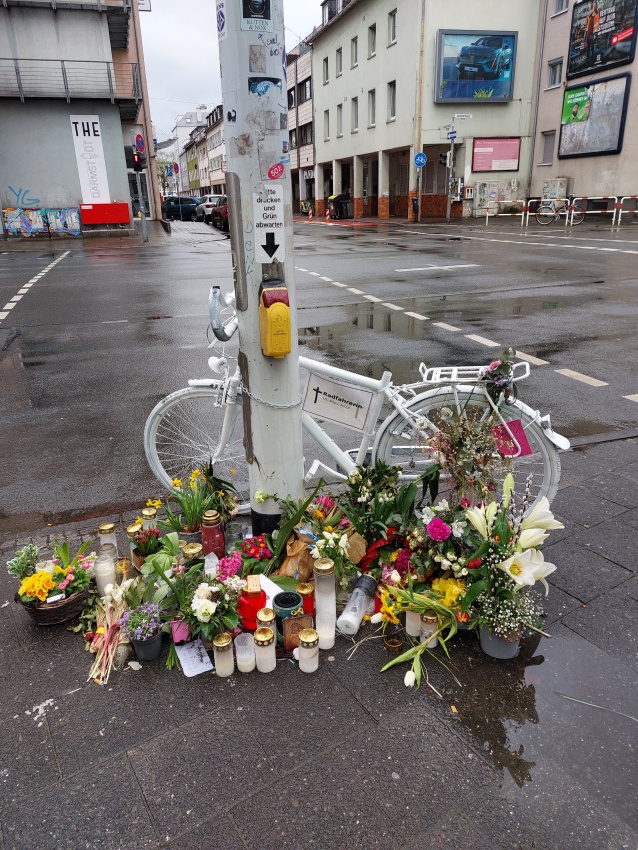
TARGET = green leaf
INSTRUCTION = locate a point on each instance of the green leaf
(288, 527)
(230, 620)
(472, 592)
(285, 582)
(405, 656)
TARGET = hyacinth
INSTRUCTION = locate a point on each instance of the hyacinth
(229, 566)
(438, 530)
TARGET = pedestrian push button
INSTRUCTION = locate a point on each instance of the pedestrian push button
(274, 319)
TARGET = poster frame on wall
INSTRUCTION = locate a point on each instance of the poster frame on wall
(572, 74)
(472, 35)
(482, 140)
(621, 129)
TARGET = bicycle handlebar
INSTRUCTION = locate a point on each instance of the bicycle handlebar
(221, 331)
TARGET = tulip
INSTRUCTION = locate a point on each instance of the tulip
(376, 618)
(409, 679)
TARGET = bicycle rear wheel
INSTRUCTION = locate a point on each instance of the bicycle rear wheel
(578, 215)
(545, 215)
(182, 433)
(405, 443)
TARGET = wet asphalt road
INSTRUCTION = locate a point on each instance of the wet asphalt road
(95, 342)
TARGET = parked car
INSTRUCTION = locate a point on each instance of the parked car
(485, 57)
(219, 216)
(205, 208)
(183, 209)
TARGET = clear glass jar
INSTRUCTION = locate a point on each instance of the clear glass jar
(149, 518)
(429, 625)
(325, 602)
(223, 653)
(106, 534)
(413, 624)
(104, 571)
(265, 651)
(359, 602)
(308, 651)
(245, 652)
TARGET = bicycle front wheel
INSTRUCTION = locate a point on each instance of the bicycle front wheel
(545, 215)
(404, 442)
(578, 215)
(183, 431)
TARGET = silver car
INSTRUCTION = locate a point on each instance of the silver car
(204, 211)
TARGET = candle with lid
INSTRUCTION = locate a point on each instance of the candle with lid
(265, 653)
(429, 625)
(213, 539)
(266, 617)
(193, 552)
(223, 653)
(325, 602)
(251, 599)
(106, 534)
(149, 518)
(308, 650)
(245, 652)
(104, 571)
(357, 605)
(131, 530)
(307, 592)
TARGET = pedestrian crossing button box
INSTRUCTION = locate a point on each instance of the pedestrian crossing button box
(274, 319)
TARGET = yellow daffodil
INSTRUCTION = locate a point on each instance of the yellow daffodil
(176, 482)
(153, 503)
(451, 588)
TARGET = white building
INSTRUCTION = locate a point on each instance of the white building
(216, 151)
(184, 126)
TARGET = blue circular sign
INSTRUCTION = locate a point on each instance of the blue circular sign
(420, 159)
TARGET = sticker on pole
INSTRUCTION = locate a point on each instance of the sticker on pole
(268, 211)
(276, 171)
(337, 402)
(222, 29)
(256, 16)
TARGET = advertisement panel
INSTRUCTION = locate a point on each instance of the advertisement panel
(603, 35)
(476, 67)
(89, 154)
(496, 154)
(593, 118)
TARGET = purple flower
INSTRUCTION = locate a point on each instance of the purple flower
(438, 530)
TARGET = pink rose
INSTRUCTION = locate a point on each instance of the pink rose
(438, 530)
(494, 365)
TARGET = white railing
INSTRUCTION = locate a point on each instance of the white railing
(493, 211)
(607, 198)
(621, 207)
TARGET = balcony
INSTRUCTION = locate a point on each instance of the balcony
(117, 12)
(118, 82)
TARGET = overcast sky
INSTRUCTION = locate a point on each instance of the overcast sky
(182, 60)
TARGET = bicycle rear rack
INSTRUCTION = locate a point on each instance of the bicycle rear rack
(465, 374)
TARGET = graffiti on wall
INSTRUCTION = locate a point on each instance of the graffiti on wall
(42, 222)
(21, 198)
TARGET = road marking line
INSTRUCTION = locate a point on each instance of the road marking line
(440, 268)
(33, 280)
(535, 361)
(342, 285)
(327, 279)
(631, 397)
(23, 291)
(373, 298)
(446, 327)
(356, 291)
(4, 315)
(299, 269)
(488, 342)
(115, 322)
(315, 274)
(578, 376)
(391, 306)
(16, 298)
(416, 316)
(8, 306)
(27, 286)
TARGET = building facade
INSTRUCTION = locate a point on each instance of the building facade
(216, 150)
(301, 126)
(184, 126)
(72, 83)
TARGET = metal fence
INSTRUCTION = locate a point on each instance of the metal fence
(69, 79)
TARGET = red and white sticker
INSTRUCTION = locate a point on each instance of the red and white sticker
(276, 171)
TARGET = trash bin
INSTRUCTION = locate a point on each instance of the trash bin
(415, 205)
(348, 208)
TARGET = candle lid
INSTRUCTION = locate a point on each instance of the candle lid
(253, 586)
(429, 618)
(211, 518)
(305, 589)
(308, 638)
(149, 513)
(265, 615)
(134, 528)
(193, 551)
(324, 567)
(264, 636)
(222, 642)
(106, 528)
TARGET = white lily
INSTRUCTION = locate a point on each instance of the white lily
(542, 569)
(508, 489)
(520, 568)
(482, 517)
(530, 538)
(541, 517)
(409, 679)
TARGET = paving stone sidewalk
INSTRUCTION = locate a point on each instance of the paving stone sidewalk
(539, 752)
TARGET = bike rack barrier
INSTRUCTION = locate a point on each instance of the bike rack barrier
(612, 213)
(538, 202)
(489, 213)
(621, 207)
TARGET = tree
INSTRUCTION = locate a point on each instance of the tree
(162, 159)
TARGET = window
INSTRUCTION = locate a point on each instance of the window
(305, 90)
(372, 41)
(355, 114)
(325, 70)
(392, 27)
(392, 100)
(560, 6)
(291, 99)
(339, 63)
(549, 140)
(372, 108)
(340, 119)
(305, 134)
(293, 139)
(326, 125)
(555, 74)
(354, 52)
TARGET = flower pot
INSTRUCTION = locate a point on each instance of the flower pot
(498, 647)
(137, 559)
(191, 537)
(52, 614)
(180, 630)
(148, 650)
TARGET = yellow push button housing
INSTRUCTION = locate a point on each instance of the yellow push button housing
(274, 319)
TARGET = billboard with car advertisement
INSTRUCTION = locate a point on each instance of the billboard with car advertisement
(496, 154)
(475, 67)
(593, 118)
(603, 35)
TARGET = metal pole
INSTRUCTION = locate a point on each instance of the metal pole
(139, 194)
(450, 172)
(254, 90)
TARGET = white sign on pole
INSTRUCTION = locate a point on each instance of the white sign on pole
(337, 402)
(222, 25)
(268, 211)
(89, 153)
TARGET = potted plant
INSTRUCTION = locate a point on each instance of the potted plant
(143, 628)
(178, 583)
(222, 493)
(146, 543)
(186, 505)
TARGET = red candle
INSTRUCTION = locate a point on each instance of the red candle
(251, 600)
(307, 592)
(213, 538)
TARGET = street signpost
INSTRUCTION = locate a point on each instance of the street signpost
(140, 146)
(451, 134)
(420, 159)
(169, 171)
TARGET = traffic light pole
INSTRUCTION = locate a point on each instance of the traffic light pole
(139, 194)
(253, 70)
(450, 181)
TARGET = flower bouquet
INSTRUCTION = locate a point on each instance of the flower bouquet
(186, 504)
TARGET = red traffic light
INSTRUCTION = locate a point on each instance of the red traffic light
(137, 161)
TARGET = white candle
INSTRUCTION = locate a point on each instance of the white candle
(429, 625)
(413, 623)
(223, 653)
(265, 651)
(308, 651)
(106, 534)
(105, 572)
(245, 652)
(325, 602)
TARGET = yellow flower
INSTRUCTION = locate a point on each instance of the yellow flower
(38, 585)
(452, 588)
(233, 472)
(176, 482)
(317, 514)
(394, 556)
(328, 528)
(153, 503)
(59, 569)
(387, 609)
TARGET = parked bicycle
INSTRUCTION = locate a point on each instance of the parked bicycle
(203, 421)
(551, 209)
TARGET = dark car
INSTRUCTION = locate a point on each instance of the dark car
(485, 57)
(183, 209)
(219, 215)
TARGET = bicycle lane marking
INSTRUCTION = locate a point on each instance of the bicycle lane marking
(27, 286)
(535, 244)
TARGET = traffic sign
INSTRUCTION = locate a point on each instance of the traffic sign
(169, 171)
(268, 217)
(140, 144)
(451, 134)
(175, 168)
(420, 159)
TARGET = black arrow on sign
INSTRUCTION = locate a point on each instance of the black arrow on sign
(270, 247)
